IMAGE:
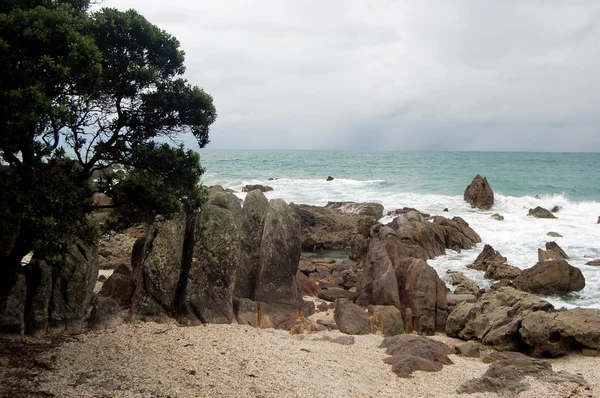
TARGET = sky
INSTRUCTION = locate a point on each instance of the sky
(392, 75)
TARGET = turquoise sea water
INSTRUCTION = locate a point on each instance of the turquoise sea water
(434, 181)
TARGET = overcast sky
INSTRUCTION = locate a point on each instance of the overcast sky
(392, 75)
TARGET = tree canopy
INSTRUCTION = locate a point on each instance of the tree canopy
(81, 91)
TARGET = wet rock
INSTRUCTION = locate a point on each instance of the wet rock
(410, 353)
(540, 212)
(554, 234)
(374, 210)
(551, 277)
(593, 263)
(350, 318)
(497, 217)
(262, 188)
(329, 178)
(479, 193)
(556, 248)
(555, 209)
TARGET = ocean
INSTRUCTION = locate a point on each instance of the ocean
(432, 181)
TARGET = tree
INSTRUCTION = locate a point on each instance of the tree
(101, 87)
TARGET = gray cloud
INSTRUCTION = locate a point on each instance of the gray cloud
(418, 75)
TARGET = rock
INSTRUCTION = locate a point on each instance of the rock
(323, 307)
(330, 178)
(253, 216)
(352, 277)
(350, 318)
(495, 356)
(554, 234)
(332, 294)
(495, 318)
(12, 313)
(470, 349)
(326, 228)
(374, 210)
(307, 286)
(464, 285)
(445, 209)
(550, 277)
(386, 319)
(208, 292)
(247, 312)
(262, 188)
(343, 340)
(555, 209)
(587, 352)
(593, 263)
(558, 333)
(556, 248)
(499, 271)
(598, 220)
(106, 314)
(548, 255)
(116, 248)
(506, 377)
(307, 308)
(540, 212)
(479, 193)
(487, 256)
(406, 210)
(358, 247)
(215, 189)
(455, 299)
(119, 287)
(379, 285)
(410, 353)
(497, 217)
(157, 261)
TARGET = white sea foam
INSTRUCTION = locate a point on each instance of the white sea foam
(518, 237)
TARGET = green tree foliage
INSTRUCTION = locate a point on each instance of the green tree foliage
(101, 87)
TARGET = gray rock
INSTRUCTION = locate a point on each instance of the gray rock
(118, 286)
(106, 314)
(469, 349)
(479, 193)
(593, 263)
(262, 188)
(216, 257)
(350, 318)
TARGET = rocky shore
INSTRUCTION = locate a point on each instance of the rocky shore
(377, 320)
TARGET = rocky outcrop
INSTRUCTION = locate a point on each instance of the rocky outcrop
(410, 353)
(558, 333)
(479, 193)
(328, 228)
(350, 318)
(550, 277)
(540, 212)
(209, 285)
(506, 377)
(373, 210)
(495, 319)
(157, 264)
(262, 188)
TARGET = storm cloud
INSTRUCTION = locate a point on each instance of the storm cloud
(392, 75)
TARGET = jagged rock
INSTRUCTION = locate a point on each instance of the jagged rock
(470, 349)
(374, 210)
(487, 256)
(548, 255)
(540, 212)
(406, 210)
(410, 353)
(350, 318)
(556, 248)
(456, 299)
(464, 285)
(479, 193)
(558, 333)
(499, 271)
(506, 377)
(262, 188)
(550, 277)
(208, 291)
(554, 234)
(106, 314)
(386, 319)
(351, 277)
(379, 285)
(495, 318)
(497, 217)
(157, 261)
(253, 216)
(358, 247)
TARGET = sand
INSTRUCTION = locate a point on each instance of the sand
(166, 360)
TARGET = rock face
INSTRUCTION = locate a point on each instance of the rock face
(210, 280)
(495, 318)
(157, 262)
(374, 210)
(410, 353)
(550, 277)
(479, 193)
(404, 282)
(505, 377)
(350, 318)
(540, 212)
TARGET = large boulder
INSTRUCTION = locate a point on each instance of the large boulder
(350, 318)
(479, 193)
(254, 212)
(495, 318)
(157, 263)
(540, 212)
(374, 210)
(551, 277)
(208, 289)
(379, 285)
(557, 333)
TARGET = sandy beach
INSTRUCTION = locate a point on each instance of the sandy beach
(166, 360)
